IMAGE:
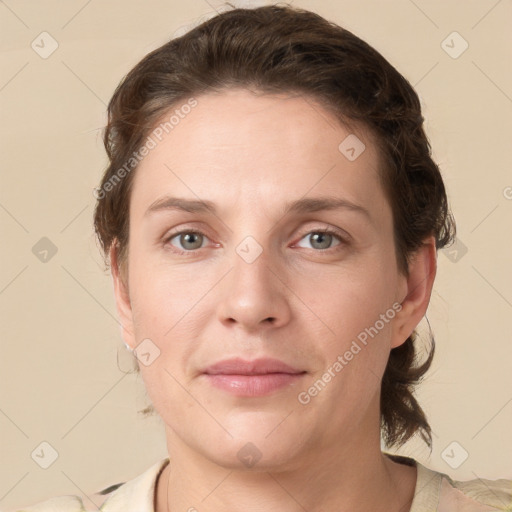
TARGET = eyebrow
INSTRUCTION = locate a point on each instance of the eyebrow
(299, 206)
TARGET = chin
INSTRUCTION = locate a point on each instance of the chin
(259, 446)
(250, 456)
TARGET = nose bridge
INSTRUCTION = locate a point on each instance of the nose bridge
(252, 263)
(253, 293)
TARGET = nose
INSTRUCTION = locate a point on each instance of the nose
(255, 294)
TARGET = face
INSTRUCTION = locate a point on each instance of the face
(254, 277)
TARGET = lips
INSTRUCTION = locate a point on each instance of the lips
(262, 366)
(250, 379)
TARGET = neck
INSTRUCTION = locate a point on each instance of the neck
(353, 476)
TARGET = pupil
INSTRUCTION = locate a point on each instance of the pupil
(189, 238)
(318, 237)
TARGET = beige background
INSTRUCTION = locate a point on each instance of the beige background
(60, 380)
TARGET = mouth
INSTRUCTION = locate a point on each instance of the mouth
(252, 378)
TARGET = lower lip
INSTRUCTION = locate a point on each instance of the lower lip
(253, 385)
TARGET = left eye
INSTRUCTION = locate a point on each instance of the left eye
(189, 240)
(322, 239)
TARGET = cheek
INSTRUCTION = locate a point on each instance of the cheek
(168, 308)
(352, 311)
(159, 297)
(346, 300)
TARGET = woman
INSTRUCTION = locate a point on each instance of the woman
(271, 214)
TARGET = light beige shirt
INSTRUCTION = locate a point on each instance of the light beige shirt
(434, 492)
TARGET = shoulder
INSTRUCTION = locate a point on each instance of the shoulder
(57, 504)
(138, 493)
(477, 495)
(436, 491)
(496, 494)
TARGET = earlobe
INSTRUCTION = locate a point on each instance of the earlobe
(422, 272)
(122, 298)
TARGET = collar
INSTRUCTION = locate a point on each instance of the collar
(140, 492)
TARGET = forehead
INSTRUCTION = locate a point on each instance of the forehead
(235, 147)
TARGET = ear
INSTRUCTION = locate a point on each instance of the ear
(122, 297)
(417, 291)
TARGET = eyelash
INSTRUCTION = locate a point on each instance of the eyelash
(327, 231)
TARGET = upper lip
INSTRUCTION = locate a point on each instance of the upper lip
(238, 366)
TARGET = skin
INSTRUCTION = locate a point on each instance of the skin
(250, 154)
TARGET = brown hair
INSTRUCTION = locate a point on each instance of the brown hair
(280, 49)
